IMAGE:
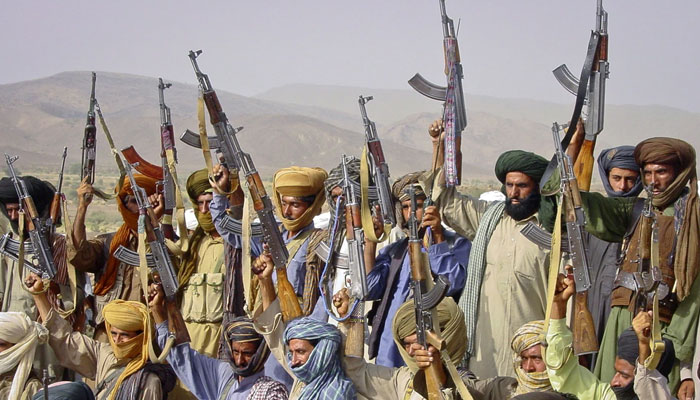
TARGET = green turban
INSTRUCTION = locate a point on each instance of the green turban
(528, 163)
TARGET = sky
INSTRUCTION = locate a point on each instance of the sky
(508, 47)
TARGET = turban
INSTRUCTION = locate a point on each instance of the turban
(452, 327)
(41, 191)
(336, 178)
(18, 328)
(628, 350)
(618, 157)
(129, 316)
(529, 335)
(682, 156)
(121, 237)
(322, 373)
(241, 330)
(397, 190)
(528, 163)
(67, 391)
(299, 182)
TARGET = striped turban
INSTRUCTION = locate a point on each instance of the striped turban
(618, 157)
(322, 373)
(241, 330)
(26, 335)
(397, 190)
(529, 335)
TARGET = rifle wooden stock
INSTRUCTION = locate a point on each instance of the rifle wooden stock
(141, 165)
(355, 333)
(289, 303)
(585, 338)
(176, 323)
(55, 210)
(435, 378)
(583, 167)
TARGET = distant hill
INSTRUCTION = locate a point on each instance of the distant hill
(297, 124)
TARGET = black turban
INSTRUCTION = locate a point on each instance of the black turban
(528, 163)
(618, 157)
(41, 191)
(628, 350)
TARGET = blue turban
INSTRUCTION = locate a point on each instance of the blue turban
(618, 157)
(322, 373)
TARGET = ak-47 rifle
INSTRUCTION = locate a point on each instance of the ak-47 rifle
(595, 98)
(585, 339)
(454, 109)
(426, 297)
(87, 165)
(45, 383)
(42, 262)
(165, 182)
(648, 277)
(55, 211)
(379, 167)
(234, 157)
(163, 263)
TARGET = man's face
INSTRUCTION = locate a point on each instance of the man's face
(522, 195)
(624, 373)
(203, 201)
(243, 352)
(12, 211)
(299, 350)
(5, 345)
(293, 207)
(621, 179)
(531, 359)
(662, 175)
(121, 336)
(406, 209)
(130, 203)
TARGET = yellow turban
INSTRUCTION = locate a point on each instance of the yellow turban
(128, 316)
(452, 327)
(529, 335)
(299, 182)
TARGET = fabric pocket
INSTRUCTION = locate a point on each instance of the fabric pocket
(214, 297)
(194, 299)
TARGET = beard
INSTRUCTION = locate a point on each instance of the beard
(526, 207)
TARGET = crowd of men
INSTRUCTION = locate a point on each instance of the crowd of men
(503, 333)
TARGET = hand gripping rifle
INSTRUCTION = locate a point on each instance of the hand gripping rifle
(165, 182)
(234, 157)
(426, 297)
(585, 340)
(87, 165)
(454, 109)
(648, 277)
(163, 263)
(42, 262)
(379, 167)
(595, 98)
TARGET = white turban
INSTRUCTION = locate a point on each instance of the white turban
(18, 328)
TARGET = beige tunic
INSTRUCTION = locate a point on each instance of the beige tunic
(202, 302)
(514, 285)
(91, 358)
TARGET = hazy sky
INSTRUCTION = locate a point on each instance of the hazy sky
(509, 47)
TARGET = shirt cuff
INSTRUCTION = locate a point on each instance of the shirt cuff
(686, 371)
(266, 321)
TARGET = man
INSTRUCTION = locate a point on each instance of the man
(389, 279)
(120, 368)
(314, 346)
(530, 369)
(13, 297)
(298, 195)
(208, 378)
(668, 164)
(19, 339)
(507, 274)
(631, 380)
(113, 279)
(202, 272)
